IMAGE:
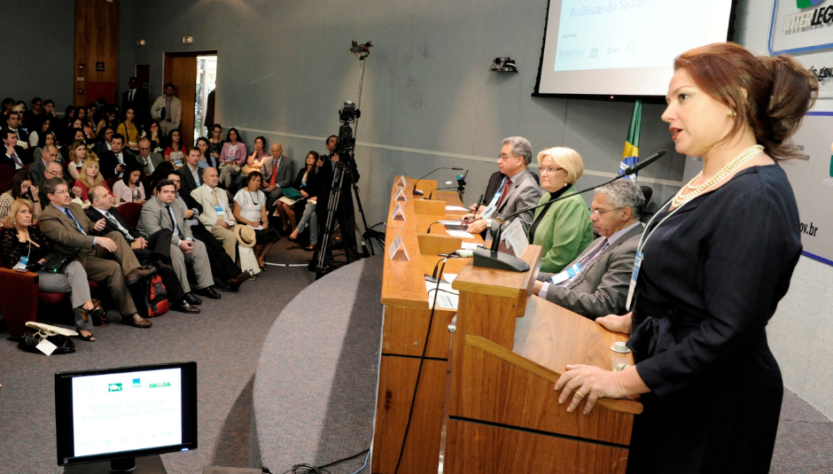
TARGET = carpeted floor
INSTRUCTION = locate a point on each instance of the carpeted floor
(226, 341)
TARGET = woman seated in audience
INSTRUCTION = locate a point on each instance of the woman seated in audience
(129, 188)
(92, 115)
(309, 189)
(69, 116)
(216, 142)
(90, 177)
(86, 123)
(34, 135)
(206, 159)
(304, 184)
(253, 163)
(250, 209)
(44, 139)
(161, 172)
(22, 243)
(155, 137)
(129, 130)
(563, 229)
(109, 120)
(78, 154)
(21, 189)
(102, 143)
(232, 157)
(175, 152)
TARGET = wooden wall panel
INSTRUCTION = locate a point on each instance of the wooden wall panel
(181, 70)
(96, 40)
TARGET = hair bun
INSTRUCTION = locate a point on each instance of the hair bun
(794, 91)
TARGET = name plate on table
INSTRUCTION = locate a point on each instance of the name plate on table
(515, 237)
(400, 195)
(398, 213)
(397, 250)
(401, 183)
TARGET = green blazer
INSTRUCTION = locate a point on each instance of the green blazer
(564, 232)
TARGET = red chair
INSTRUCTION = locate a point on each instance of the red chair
(6, 175)
(111, 182)
(131, 212)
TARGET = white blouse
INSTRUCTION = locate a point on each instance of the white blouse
(250, 204)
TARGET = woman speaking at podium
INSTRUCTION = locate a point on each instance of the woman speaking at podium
(711, 267)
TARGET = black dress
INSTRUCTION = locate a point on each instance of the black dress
(711, 278)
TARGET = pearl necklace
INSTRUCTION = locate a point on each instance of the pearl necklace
(740, 160)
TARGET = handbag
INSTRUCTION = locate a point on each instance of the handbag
(292, 193)
(53, 262)
(32, 338)
(102, 320)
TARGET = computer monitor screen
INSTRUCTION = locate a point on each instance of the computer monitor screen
(125, 412)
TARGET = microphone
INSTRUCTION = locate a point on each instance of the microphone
(429, 227)
(644, 163)
(417, 192)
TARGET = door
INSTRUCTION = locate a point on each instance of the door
(181, 70)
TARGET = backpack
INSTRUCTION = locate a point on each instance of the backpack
(156, 297)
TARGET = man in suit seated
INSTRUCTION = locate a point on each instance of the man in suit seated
(13, 154)
(155, 250)
(190, 175)
(225, 271)
(278, 173)
(164, 212)
(601, 274)
(147, 160)
(216, 215)
(114, 162)
(108, 260)
(491, 188)
(517, 190)
(13, 124)
(38, 168)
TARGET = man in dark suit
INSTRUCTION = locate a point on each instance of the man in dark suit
(491, 188)
(190, 175)
(114, 162)
(13, 124)
(108, 260)
(13, 155)
(596, 283)
(155, 250)
(137, 99)
(517, 190)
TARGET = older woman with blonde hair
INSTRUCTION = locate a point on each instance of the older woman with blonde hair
(562, 228)
(23, 246)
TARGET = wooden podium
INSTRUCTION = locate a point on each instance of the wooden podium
(502, 412)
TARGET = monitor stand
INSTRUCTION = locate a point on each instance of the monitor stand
(144, 465)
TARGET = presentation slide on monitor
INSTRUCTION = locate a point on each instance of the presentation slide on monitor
(624, 47)
(127, 412)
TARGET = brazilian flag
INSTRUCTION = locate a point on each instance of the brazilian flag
(630, 156)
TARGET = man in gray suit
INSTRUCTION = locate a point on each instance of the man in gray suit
(278, 173)
(518, 190)
(38, 168)
(596, 283)
(147, 160)
(164, 211)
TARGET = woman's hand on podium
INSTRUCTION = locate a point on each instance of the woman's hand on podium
(591, 383)
(615, 323)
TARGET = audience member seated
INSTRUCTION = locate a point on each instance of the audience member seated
(53, 170)
(22, 188)
(147, 159)
(167, 110)
(563, 228)
(206, 157)
(278, 173)
(46, 139)
(43, 126)
(108, 121)
(108, 260)
(601, 274)
(13, 124)
(114, 162)
(130, 188)
(129, 130)
(163, 211)
(76, 135)
(518, 190)
(175, 152)
(78, 154)
(89, 177)
(304, 184)
(155, 250)
(49, 111)
(154, 133)
(232, 157)
(86, 123)
(33, 118)
(253, 163)
(309, 189)
(250, 209)
(103, 141)
(225, 271)
(48, 154)
(13, 154)
(191, 175)
(23, 246)
(216, 215)
(216, 142)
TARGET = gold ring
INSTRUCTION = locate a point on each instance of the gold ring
(579, 395)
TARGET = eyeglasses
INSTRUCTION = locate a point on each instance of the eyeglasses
(53, 173)
(598, 212)
(551, 170)
(504, 157)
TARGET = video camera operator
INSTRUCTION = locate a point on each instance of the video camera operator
(345, 213)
